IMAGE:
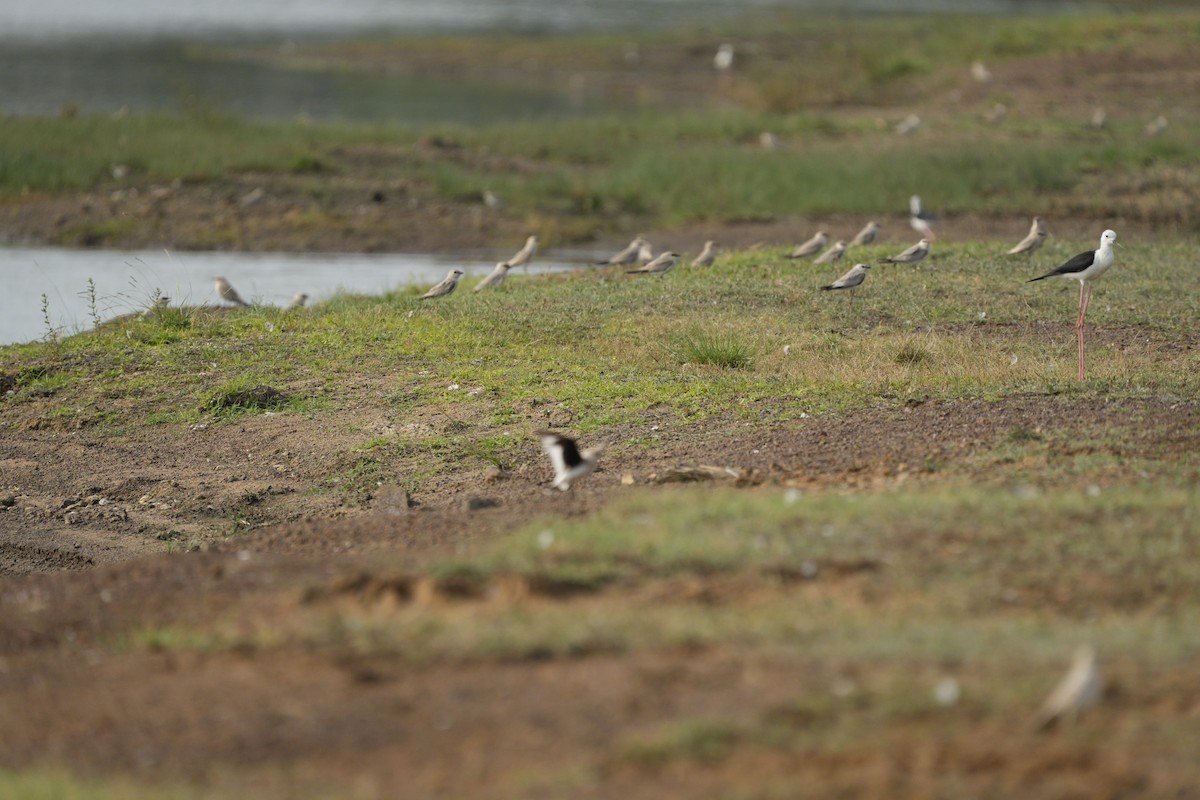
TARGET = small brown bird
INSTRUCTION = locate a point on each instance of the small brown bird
(910, 256)
(446, 286)
(1037, 234)
(1078, 691)
(228, 293)
(810, 248)
(707, 256)
(525, 254)
(832, 254)
(659, 266)
(297, 301)
(866, 235)
(495, 277)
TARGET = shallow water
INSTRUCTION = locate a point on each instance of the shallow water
(126, 281)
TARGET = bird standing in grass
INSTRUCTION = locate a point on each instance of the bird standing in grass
(866, 235)
(810, 248)
(853, 278)
(297, 301)
(227, 293)
(659, 266)
(569, 463)
(627, 256)
(832, 254)
(1033, 240)
(1085, 268)
(707, 256)
(525, 254)
(495, 277)
(910, 256)
(1078, 691)
(445, 286)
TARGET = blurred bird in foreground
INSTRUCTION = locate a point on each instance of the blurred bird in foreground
(832, 254)
(1033, 240)
(569, 463)
(627, 256)
(297, 301)
(445, 286)
(495, 277)
(920, 219)
(707, 256)
(227, 293)
(525, 254)
(810, 248)
(907, 125)
(1078, 691)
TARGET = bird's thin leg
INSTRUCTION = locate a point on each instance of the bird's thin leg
(1079, 329)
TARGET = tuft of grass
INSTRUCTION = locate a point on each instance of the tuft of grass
(721, 349)
(241, 396)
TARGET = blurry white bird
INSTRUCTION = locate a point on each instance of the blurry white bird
(298, 300)
(910, 256)
(1099, 118)
(1033, 240)
(495, 277)
(832, 254)
(866, 235)
(855, 276)
(445, 286)
(980, 72)
(810, 248)
(627, 256)
(707, 256)
(1078, 691)
(160, 302)
(997, 113)
(227, 293)
(920, 219)
(1156, 126)
(525, 254)
(659, 266)
(569, 463)
(768, 141)
(723, 60)
(645, 253)
(907, 125)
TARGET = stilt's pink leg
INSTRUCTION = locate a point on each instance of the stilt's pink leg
(1085, 301)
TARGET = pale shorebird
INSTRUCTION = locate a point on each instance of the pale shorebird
(495, 277)
(1078, 691)
(910, 256)
(659, 266)
(707, 256)
(907, 125)
(1033, 240)
(227, 293)
(569, 463)
(980, 72)
(920, 219)
(525, 254)
(1085, 268)
(854, 277)
(1099, 118)
(645, 253)
(445, 286)
(866, 235)
(810, 248)
(627, 256)
(298, 300)
(723, 60)
(832, 254)
(160, 302)
(1156, 126)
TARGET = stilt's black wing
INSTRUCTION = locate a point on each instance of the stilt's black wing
(570, 451)
(1077, 264)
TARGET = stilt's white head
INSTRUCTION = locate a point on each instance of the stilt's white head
(1109, 237)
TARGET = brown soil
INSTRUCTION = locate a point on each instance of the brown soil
(82, 524)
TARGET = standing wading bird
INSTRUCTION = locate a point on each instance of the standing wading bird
(525, 254)
(853, 278)
(445, 286)
(495, 277)
(659, 266)
(832, 254)
(1037, 234)
(627, 256)
(227, 293)
(810, 248)
(707, 256)
(569, 463)
(920, 219)
(1085, 268)
(297, 301)
(866, 235)
(910, 256)
(1078, 691)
